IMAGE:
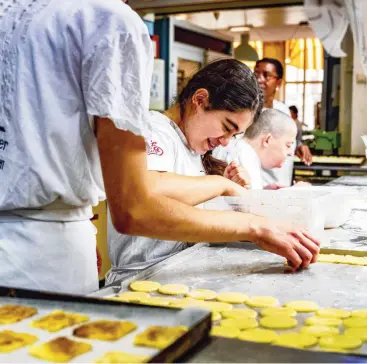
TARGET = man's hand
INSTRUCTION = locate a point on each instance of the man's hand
(304, 154)
(294, 243)
(238, 175)
(274, 186)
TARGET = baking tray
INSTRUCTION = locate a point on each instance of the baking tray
(243, 268)
(197, 320)
(350, 160)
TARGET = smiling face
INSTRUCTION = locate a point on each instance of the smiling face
(206, 129)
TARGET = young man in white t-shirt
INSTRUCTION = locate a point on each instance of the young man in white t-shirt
(266, 144)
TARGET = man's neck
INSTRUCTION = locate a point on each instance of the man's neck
(268, 102)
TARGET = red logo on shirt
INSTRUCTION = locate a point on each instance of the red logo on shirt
(154, 149)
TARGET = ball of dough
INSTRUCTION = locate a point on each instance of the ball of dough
(232, 297)
(278, 322)
(358, 332)
(202, 294)
(355, 322)
(333, 312)
(295, 340)
(262, 301)
(323, 321)
(144, 286)
(238, 313)
(258, 335)
(240, 323)
(320, 331)
(303, 306)
(225, 331)
(174, 289)
(275, 311)
(340, 342)
(359, 313)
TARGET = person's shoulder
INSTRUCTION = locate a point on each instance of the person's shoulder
(278, 105)
(162, 126)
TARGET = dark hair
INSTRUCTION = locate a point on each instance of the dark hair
(232, 86)
(294, 109)
(277, 64)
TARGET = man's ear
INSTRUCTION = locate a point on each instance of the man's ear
(266, 138)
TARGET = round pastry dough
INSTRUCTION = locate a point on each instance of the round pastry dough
(358, 332)
(173, 289)
(355, 322)
(225, 331)
(303, 306)
(344, 342)
(156, 301)
(216, 316)
(202, 294)
(215, 306)
(275, 311)
(278, 322)
(320, 331)
(262, 301)
(232, 297)
(240, 323)
(238, 313)
(144, 286)
(323, 321)
(359, 313)
(296, 340)
(130, 296)
(333, 312)
(258, 335)
(184, 302)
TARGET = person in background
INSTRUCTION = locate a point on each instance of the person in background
(294, 115)
(269, 73)
(266, 144)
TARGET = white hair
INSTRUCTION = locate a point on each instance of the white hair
(272, 122)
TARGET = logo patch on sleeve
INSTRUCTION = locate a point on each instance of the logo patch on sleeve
(155, 149)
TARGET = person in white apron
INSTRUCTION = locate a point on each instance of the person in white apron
(269, 73)
(181, 143)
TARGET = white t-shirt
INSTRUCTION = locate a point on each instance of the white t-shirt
(167, 151)
(62, 62)
(243, 154)
(284, 174)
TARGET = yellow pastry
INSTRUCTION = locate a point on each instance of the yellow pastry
(275, 311)
(225, 331)
(10, 340)
(355, 322)
(295, 340)
(262, 301)
(238, 313)
(323, 321)
(216, 316)
(333, 312)
(202, 294)
(232, 297)
(278, 322)
(258, 335)
(359, 313)
(129, 296)
(240, 323)
(117, 357)
(343, 342)
(173, 289)
(358, 332)
(10, 314)
(145, 286)
(157, 301)
(303, 306)
(320, 331)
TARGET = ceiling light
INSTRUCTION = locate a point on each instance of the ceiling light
(239, 29)
(244, 52)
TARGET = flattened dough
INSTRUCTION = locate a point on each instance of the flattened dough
(202, 294)
(10, 314)
(215, 306)
(344, 342)
(58, 320)
(358, 332)
(105, 330)
(216, 316)
(238, 313)
(359, 313)
(275, 311)
(333, 312)
(159, 336)
(278, 322)
(10, 340)
(60, 350)
(320, 331)
(173, 289)
(355, 322)
(182, 302)
(240, 323)
(129, 296)
(117, 357)
(303, 306)
(144, 286)
(225, 331)
(323, 321)
(157, 301)
(262, 301)
(232, 297)
(295, 340)
(258, 335)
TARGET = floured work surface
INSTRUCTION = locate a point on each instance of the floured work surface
(257, 273)
(96, 328)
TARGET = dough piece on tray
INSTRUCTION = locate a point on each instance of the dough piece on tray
(258, 335)
(202, 294)
(225, 331)
(145, 286)
(58, 320)
(320, 331)
(117, 357)
(129, 296)
(333, 312)
(295, 340)
(239, 313)
(216, 316)
(240, 323)
(340, 342)
(278, 322)
(159, 336)
(173, 289)
(262, 301)
(104, 330)
(275, 311)
(323, 321)
(10, 340)
(355, 322)
(157, 301)
(358, 332)
(60, 350)
(232, 297)
(303, 306)
(359, 313)
(10, 314)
